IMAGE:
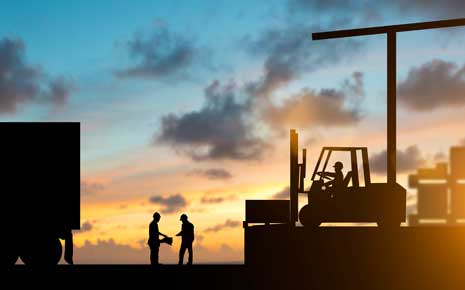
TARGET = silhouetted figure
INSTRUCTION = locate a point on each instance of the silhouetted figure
(187, 234)
(337, 181)
(154, 241)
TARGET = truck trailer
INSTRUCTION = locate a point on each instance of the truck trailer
(40, 185)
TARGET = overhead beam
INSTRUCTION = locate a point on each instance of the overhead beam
(388, 28)
(391, 32)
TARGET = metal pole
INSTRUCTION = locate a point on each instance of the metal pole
(391, 107)
(294, 177)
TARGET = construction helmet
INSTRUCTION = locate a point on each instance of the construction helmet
(338, 165)
(156, 215)
(183, 217)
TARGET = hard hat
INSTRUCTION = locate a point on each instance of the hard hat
(156, 215)
(183, 217)
(338, 164)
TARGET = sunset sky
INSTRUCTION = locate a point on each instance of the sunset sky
(186, 106)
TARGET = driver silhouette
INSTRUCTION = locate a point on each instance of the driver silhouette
(336, 181)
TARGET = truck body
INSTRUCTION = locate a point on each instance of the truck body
(40, 182)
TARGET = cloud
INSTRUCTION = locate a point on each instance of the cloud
(91, 188)
(309, 108)
(361, 10)
(444, 8)
(354, 86)
(158, 55)
(60, 89)
(225, 254)
(85, 227)
(342, 14)
(219, 130)
(289, 52)
(199, 238)
(212, 173)
(440, 157)
(282, 194)
(322, 5)
(228, 224)
(110, 252)
(276, 75)
(22, 83)
(225, 128)
(217, 199)
(433, 85)
(171, 204)
(19, 82)
(408, 160)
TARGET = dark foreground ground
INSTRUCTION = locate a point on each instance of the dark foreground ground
(423, 258)
(138, 276)
(282, 258)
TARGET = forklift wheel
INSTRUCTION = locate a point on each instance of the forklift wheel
(309, 217)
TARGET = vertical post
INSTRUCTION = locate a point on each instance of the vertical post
(354, 168)
(366, 166)
(294, 177)
(391, 107)
(303, 171)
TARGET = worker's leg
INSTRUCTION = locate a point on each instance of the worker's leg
(182, 250)
(151, 256)
(154, 255)
(189, 250)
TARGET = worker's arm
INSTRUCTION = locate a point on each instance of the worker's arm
(162, 234)
(329, 183)
(179, 234)
(327, 174)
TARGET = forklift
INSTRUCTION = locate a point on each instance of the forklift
(356, 200)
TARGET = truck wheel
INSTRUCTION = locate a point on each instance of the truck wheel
(43, 253)
(10, 255)
(309, 217)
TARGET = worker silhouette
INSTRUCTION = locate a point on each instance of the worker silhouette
(336, 182)
(154, 241)
(187, 235)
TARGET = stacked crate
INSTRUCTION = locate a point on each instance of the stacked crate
(440, 191)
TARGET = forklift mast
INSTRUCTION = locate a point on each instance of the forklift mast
(294, 178)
